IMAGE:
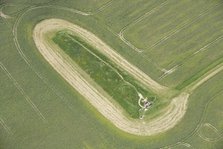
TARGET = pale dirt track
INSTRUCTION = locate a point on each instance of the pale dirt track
(4, 15)
(169, 119)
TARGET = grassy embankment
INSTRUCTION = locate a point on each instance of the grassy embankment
(116, 82)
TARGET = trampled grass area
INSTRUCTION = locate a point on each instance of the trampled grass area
(71, 121)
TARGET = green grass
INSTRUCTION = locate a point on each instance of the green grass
(80, 5)
(84, 5)
(105, 73)
(121, 13)
(196, 76)
(73, 122)
(169, 34)
(192, 33)
(211, 116)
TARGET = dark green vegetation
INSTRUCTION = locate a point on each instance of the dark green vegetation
(116, 82)
(71, 121)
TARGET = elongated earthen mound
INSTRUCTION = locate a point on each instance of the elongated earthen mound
(169, 119)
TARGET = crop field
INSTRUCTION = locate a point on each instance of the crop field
(111, 74)
(172, 46)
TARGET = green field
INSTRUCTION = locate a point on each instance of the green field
(194, 26)
(40, 110)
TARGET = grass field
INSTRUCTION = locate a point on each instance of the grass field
(40, 110)
(190, 37)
